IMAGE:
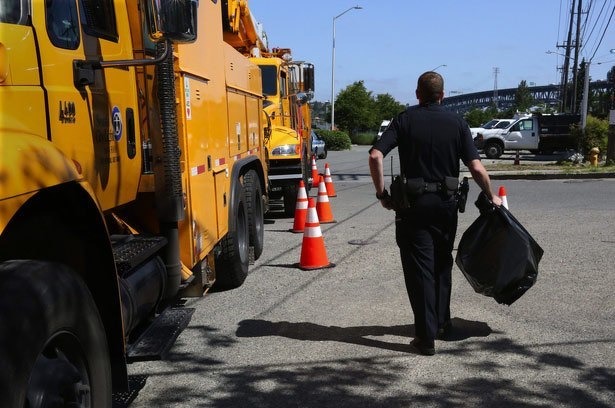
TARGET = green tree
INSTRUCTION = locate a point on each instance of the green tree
(523, 97)
(386, 108)
(355, 109)
(477, 117)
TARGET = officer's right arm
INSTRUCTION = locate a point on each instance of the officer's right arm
(481, 177)
(376, 169)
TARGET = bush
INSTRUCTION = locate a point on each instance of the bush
(335, 140)
(363, 138)
(596, 134)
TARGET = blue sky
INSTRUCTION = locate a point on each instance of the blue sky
(388, 43)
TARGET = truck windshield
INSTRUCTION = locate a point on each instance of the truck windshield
(503, 124)
(490, 124)
(270, 79)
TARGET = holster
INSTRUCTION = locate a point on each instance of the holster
(399, 198)
(462, 194)
(404, 192)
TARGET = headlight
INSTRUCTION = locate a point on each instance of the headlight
(286, 150)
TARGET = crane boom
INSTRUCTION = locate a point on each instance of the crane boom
(241, 30)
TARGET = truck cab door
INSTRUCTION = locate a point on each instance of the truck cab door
(91, 114)
(523, 135)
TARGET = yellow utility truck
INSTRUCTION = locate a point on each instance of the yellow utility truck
(288, 86)
(132, 174)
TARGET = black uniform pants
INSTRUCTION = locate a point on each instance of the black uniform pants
(425, 235)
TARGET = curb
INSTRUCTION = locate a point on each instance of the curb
(548, 176)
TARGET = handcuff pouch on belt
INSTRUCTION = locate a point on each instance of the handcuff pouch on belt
(404, 192)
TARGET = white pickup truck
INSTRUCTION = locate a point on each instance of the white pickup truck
(537, 133)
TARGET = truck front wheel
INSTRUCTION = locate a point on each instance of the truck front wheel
(493, 150)
(53, 349)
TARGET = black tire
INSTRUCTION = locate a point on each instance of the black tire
(256, 214)
(232, 262)
(493, 150)
(53, 349)
(323, 155)
(306, 165)
(290, 200)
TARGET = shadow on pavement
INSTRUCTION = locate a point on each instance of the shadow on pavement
(360, 335)
(496, 372)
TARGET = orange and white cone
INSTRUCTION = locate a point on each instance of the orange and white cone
(502, 194)
(301, 209)
(314, 171)
(329, 182)
(323, 206)
(517, 161)
(313, 252)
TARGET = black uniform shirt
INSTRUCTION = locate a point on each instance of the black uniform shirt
(430, 140)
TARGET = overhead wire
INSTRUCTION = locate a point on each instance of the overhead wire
(585, 24)
(603, 33)
(595, 24)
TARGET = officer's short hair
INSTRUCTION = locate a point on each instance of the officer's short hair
(430, 86)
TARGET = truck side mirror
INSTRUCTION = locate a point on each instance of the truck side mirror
(308, 77)
(172, 20)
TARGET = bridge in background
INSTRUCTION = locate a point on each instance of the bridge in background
(546, 94)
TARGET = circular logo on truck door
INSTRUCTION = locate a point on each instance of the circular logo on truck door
(116, 122)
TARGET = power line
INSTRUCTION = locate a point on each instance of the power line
(596, 21)
(603, 33)
(585, 22)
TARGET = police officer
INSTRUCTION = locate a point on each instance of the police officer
(430, 142)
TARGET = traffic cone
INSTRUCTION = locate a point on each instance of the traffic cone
(329, 182)
(301, 209)
(502, 194)
(314, 171)
(313, 252)
(323, 206)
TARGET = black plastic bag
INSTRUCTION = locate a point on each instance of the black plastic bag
(497, 255)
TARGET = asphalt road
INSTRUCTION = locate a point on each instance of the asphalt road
(339, 337)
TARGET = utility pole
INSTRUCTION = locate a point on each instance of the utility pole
(496, 71)
(577, 46)
(610, 146)
(566, 68)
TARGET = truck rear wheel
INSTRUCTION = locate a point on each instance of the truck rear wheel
(53, 349)
(256, 214)
(232, 263)
(493, 150)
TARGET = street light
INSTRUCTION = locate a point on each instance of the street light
(333, 66)
(439, 66)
